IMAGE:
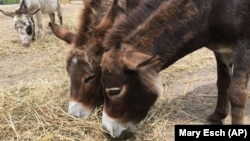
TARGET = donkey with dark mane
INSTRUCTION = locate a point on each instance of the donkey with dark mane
(133, 58)
(84, 56)
(23, 17)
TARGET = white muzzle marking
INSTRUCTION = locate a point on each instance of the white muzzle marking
(115, 128)
(78, 110)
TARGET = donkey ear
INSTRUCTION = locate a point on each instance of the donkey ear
(10, 14)
(62, 33)
(23, 9)
(136, 60)
(107, 22)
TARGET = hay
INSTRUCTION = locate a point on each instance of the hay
(65, 1)
(34, 92)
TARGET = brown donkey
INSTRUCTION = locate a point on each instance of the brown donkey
(131, 63)
(83, 61)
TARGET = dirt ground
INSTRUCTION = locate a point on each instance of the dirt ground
(37, 75)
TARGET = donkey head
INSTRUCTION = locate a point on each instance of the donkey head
(83, 61)
(130, 70)
(131, 85)
(23, 23)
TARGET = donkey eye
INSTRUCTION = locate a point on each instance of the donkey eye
(114, 91)
(90, 77)
(29, 30)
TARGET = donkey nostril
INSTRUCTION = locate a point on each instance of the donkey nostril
(124, 135)
(115, 129)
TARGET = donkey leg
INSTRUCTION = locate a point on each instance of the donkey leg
(238, 97)
(224, 72)
(238, 87)
(52, 17)
(59, 10)
(39, 22)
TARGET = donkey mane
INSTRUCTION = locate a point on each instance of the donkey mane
(83, 56)
(90, 17)
(127, 23)
(93, 26)
(153, 28)
(22, 10)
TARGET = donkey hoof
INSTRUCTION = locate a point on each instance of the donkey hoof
(214, 119)
(26, 45)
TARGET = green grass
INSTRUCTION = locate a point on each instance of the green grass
(9, 1)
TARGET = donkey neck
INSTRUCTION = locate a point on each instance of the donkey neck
(179, 27)
(173, 30)
(124, 25)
